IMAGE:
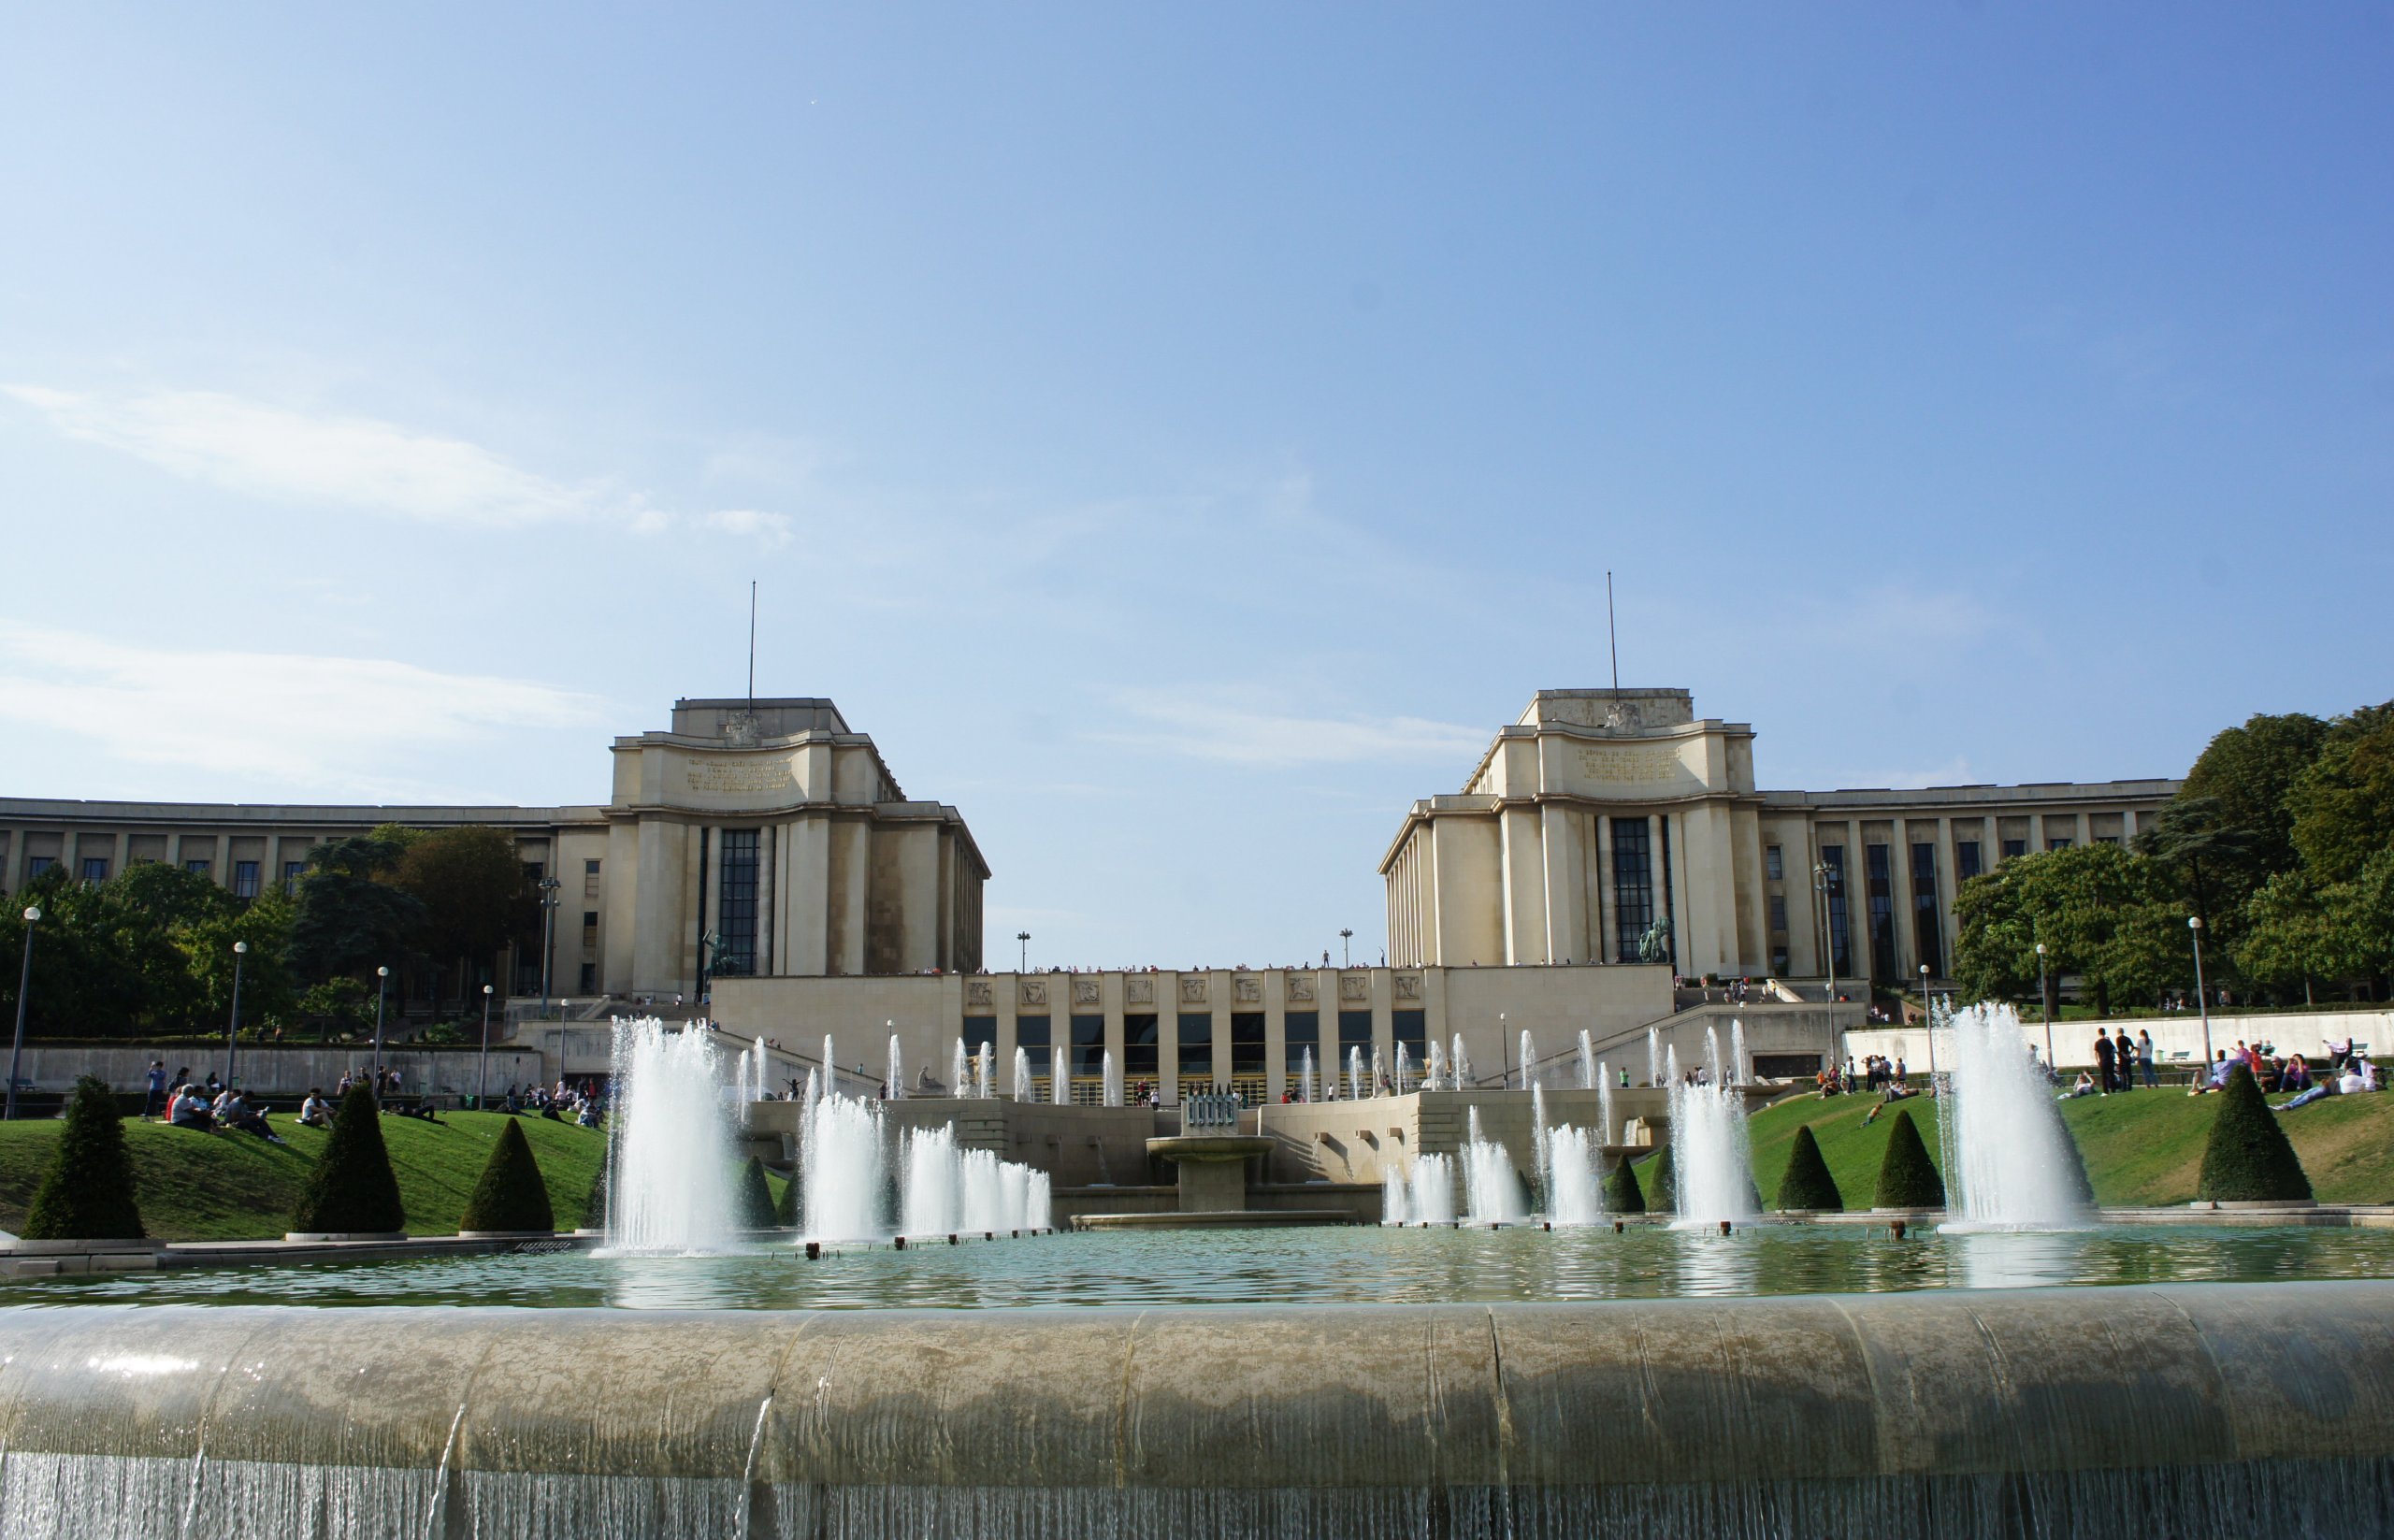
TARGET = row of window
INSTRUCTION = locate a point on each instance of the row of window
(1193, 1047)
(95, 869)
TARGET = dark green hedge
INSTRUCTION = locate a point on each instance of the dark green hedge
(1621, 1190)
(87, 1194)
(511, 1194)
(752, 1204)
(352, 1188)
(1808, 1184)
(2248, 1158)
(1907, 1176)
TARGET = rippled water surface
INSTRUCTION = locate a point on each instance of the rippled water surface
(1327, 1266)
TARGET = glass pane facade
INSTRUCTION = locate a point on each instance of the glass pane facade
(735, 955)
(1247, 1043)
(1196, 1048)
(1633, 885)
(1840, 937)
(1966, 861)
(1301, 1031)
(245, 879)
(1141, 1038)
(1878, 871)
(1030, 1036)
(1089, 1046)
(1928, 930)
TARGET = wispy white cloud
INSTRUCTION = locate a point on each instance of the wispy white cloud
(325, 724)
(329, 459)
(1203, 727)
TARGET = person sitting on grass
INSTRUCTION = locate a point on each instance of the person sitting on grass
(2217, 1081)
(2086, 1086)
(189, 1110)
(240, 1115)
(316, 1112)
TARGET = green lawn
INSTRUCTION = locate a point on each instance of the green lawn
(229, 1187)
(2145, 1147)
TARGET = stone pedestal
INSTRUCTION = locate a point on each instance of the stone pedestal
(1213, 1168)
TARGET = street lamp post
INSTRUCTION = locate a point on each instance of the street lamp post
(233, 1032)
(2195, 929)
(482, 1082)
(1929, 1021)
(1346, 948)
(548, 933)
(2044, 1009)
(1824, 883)
(1024, 937)
(24, 987)
(382, 992)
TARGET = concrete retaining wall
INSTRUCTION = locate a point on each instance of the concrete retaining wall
(287, 1071)
(2198, 1410)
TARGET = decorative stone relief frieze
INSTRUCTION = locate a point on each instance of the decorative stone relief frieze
(1140, 991)
(1085, 992)
(1354, 987)
(1408, 987)
(1300, 988)
(976, 992)
(1031, 992)
(1193, 988)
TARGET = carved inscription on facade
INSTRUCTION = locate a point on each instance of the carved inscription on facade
(737, 777)
(1628, 766)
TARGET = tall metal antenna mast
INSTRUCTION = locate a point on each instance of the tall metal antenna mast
(1612, 634)
(751, 645)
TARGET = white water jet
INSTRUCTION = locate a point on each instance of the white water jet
(1737, 1051)
(1544, 1190)
(1396, 1205)
(1654, 1058)
(840, 1169)
(2009, 1162)
(947, 1190)
(1591, 1072)
(1403, 1070)
(670, 1190)
(1459, 1064)
(959, 1072)
(1530, 1077)
(1606, 1129)
(1305, 1087)
(830, 1068)
(1492, 1188)
(1022, 1087)
(1112, 1080)
(1060, 1075)
(934, 1203)
(1710, 1157)
(1575, 1183)
(814, 1088)
(895, 1085)
(1435, 1077)
(1355, 1073)
(1431, 1192)
(985, 1072)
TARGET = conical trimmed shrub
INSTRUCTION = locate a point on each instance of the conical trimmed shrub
(1621, 1190)
(87, 1194)
(1907, 1176)
(1808, 1184)
(786, 1211)
(753, 1201)
(353, 1190)
(1662, 1183)
(2249, 1158)
(594, 1208)
(511, 1194)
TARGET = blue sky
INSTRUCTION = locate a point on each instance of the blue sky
(1181, 435)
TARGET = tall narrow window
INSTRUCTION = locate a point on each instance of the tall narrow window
(1633, 886)
(1966, 860)
(1247, 1043)
(1140, 1037)
(1196, 1052)
(245, 879)
(198, 868)
(1411, 1030)
(291, 873)
(1089, 1046)
(735, 955)
(1840, 931)
(1670, 937)
(1877, 870)
(1030, 1036)
(2014, 847)
(95, 868)
(1301, 1035)
(981, 1031)
(1928, 929)
(1774, 865)
(1778, 913)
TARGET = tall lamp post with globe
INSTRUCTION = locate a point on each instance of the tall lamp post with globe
(233, 1032)
(24, 987)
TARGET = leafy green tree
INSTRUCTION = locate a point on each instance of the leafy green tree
(88, 1192)
(2343, 802)
(1622, 1194)
(1808, 1184)
(511, 1194)
(90, 976)
(268, 997)
(2248, 774)
(2248, 1158)
(2289, 933)
(2190, 837)
(474, 891)
(1907, 1177)
(351, 917)
(2104, 913)
(353, 1189)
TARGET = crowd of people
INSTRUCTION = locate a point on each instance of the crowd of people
(207, 1105)
(185, 1102)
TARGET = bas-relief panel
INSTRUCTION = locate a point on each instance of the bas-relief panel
(1030, 992)
(1246, 990)
(1408, 987)
(1193, 988)
(1085, 992)
(976, 992)
(1300, 988)
(1140, 991)
(1355, 988)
